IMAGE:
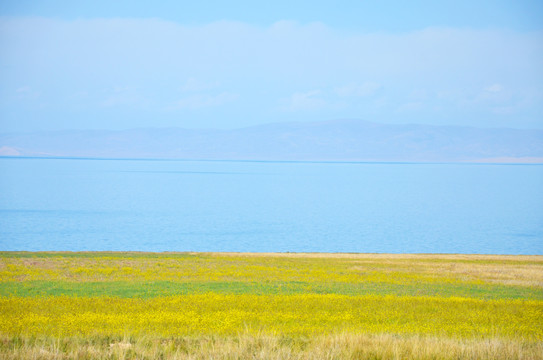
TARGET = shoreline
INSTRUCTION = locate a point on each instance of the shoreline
(347, 255)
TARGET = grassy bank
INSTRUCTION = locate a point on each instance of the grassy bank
(282, 305)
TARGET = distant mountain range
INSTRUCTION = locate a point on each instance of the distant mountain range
(338, 140)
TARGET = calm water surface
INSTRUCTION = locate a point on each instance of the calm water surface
(146, 205)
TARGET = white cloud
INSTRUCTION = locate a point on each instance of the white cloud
(364, 89)
(125, 96)
(309, 100)
(194, 85)
(503, 110)
(23, 90)
(495, 93)
(380, 102)
(419, 94)
(123, 89)
(81, 94)
(204, 101)
(411, 106)
(494, 88)
(26, 93)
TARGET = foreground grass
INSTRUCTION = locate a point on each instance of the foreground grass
(308, 306)
(251, 346)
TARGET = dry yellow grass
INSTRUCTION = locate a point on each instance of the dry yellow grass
(339, 346)
(477, 257)
(489, 270)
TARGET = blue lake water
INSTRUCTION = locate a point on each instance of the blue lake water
(150, 205)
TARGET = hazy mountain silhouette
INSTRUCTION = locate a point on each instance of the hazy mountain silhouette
(338, 140)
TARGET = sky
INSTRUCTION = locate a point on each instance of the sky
(232, 64)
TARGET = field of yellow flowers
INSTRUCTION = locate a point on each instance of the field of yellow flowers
(227, 305)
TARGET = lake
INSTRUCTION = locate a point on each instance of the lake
(160, 205)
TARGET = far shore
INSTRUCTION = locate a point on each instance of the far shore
(346, 255)
(5, 154)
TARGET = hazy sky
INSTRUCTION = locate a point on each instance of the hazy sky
(227, 64)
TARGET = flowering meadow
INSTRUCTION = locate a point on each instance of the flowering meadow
(191, 305)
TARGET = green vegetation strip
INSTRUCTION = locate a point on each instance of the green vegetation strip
(150, 289)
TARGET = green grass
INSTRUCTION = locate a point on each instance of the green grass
(149, 289)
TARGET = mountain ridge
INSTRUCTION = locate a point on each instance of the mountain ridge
(332, 140)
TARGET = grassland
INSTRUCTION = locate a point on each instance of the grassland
(247, 306)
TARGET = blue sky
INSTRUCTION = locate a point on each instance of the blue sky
(216, 64)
